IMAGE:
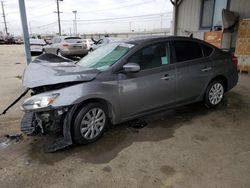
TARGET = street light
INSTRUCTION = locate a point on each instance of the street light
(75, 24)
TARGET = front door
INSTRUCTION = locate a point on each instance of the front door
(153, 86)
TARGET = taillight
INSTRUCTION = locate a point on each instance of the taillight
(65, 45)
(234, 60)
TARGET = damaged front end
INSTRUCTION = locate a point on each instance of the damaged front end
(51, 106)
(41, 118)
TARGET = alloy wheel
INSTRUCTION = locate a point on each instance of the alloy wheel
(92, 123)
(216, 93)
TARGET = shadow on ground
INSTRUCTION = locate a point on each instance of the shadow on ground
(159, 127)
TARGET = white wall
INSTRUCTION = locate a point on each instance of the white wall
(189, 17)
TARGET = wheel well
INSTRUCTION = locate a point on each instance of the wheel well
(107, 105)
(223, 79)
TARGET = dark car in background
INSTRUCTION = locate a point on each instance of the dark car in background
(67, 47)
(122, 81)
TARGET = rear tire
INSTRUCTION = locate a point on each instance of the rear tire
(90, 123)
(214, 93)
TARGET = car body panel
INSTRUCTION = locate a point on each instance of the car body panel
(55, 72)
(132, 95)
(146, 90)
(191, 79)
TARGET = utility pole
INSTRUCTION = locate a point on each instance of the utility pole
(75, 25)
(161, 21)
(4, 19)
(30, 28)
(25, 30)
(176, 4)
(58, 16)
(130, 26)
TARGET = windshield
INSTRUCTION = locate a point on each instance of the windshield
(105, 56)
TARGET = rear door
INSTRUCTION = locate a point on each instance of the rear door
(193, 69)
(153, 86)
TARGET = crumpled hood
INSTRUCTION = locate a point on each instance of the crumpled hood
(49, 69)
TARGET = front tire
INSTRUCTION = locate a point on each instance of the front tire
(214, 93)
(90, 123)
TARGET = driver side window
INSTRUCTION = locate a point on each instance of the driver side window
(152, 56)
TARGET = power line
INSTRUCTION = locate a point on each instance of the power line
(46, 25)
(115, 8)
(120, 18)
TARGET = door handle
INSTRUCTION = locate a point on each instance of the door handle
(206, 69)
(167, 77)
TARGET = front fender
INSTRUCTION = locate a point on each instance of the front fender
(79, 93)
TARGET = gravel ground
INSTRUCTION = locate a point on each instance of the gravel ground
(186, 147)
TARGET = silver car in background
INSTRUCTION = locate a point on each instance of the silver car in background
(67, 47)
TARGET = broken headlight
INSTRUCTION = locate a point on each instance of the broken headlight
(39, 102)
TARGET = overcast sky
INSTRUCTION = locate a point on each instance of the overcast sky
(92, 15)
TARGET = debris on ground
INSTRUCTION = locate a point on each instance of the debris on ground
(18, 77)
(9, 139)
(17, 137)
(137, 123)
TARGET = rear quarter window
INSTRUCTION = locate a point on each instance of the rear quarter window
(207, 50)
(187, 50)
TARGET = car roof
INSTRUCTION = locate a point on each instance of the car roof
(157, 38)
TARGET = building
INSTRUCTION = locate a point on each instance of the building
(199, 16)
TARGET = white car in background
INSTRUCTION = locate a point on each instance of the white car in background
(36, 46)
(104, 41)
(88, 43)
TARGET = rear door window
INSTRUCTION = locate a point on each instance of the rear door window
(152, 56)
(187, 50)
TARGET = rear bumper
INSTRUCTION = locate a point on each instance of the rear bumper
(36, 48)
(233, 79)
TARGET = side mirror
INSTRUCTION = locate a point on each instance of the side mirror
(131, 67)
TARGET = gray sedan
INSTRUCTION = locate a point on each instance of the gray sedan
(67, 47)
(120, 82)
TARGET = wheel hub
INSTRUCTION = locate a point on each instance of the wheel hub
(216, 93)
(92, 123)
